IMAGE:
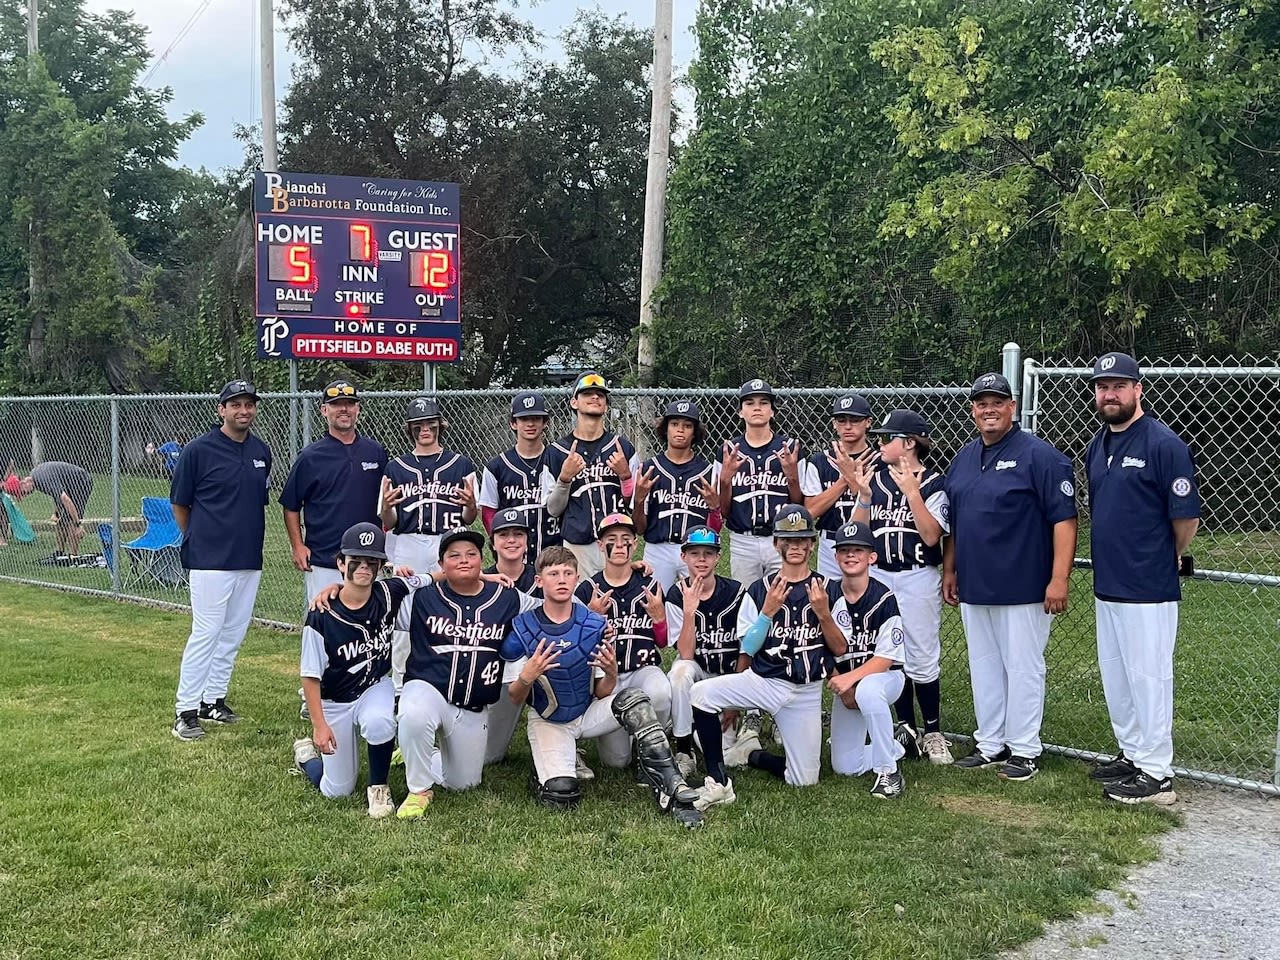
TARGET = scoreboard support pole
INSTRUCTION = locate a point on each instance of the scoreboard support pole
(429, 378)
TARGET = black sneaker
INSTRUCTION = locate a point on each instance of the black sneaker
(1018, 768)
(906, 735)
(187, 726)
(980, 761)
(1117, 768)
(218, 712)
(888, 786)
(1142, 788)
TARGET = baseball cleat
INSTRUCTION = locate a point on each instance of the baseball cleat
(686, 764)
(906, 735)
(186, 726)
(712, 793)
(380, 804)
(888, 786)
(580, 769)
(304, 750)
(1115, 770)
(1018, 769)
(218, 712)
(397, 758)
(748, 742)
(414, 806)
(977, 760)
(1142, 788)
(937, 749)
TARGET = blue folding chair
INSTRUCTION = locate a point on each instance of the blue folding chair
(154, 556)
(108, 545)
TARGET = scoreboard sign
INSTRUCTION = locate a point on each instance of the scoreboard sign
(354, 268)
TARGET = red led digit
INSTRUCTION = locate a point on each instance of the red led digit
(361, 242)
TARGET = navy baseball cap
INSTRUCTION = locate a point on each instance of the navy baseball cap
(700, 537)
(590, 381)
(906, 422)
(528, 404)
(687, 409)
(1116, 366)
(237, 388)
(755, 388)
(990, 383)
(339, 390)
(422, 408)
(510, 519)
(461, 533)
(793, 522)
(854, 535)
(851, 405)
(364, 540)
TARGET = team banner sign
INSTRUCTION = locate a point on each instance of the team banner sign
(355, 268)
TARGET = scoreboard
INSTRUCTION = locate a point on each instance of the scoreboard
(356, 268)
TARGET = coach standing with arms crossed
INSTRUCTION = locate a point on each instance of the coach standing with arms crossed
(1145, 510)
(1012, 544)
(219, 499)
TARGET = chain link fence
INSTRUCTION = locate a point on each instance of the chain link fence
(1227, 663)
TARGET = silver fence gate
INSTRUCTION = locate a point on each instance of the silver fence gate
(1228, 667)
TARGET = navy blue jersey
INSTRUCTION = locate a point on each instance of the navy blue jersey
(430, 485)
(715, 630)
(594, 493)
(628, 615)
(510, 480)
(872, 625)
(759, 488)
(819, 474)
(349, 651)
(1005, 500)
(676, 502)
(564, 693)
(226, 486)
(525, 582)
(794, 648)
(334, 485)
(894, 526)
(454, 641)
(1140, 480)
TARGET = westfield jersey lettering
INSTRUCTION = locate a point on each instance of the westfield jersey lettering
(794, 648)
(594, 493)
(349, 651)
(715, 630)
(872, 625)
(512, 481)
(627, 614)
(819, 474)
(893, 524)
(759, 488)
(676, 502)
(429, 484)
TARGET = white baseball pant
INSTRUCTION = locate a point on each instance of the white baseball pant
(221, 608)
(919, 593)
(590, 560)
(372, 716)
(684, 674)
(503, 717)
(851, 754)
(554, 745)
(750, 558)
(1006, 669)
(827, 565)
(796, 709)
(317, 578)
(458, 761)
(615, 748)
(1135, 657)
(667, 563)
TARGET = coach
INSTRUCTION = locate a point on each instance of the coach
(1013, 540)
(219, 498)
(1145, 510)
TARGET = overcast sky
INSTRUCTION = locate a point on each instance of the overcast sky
(213, 68)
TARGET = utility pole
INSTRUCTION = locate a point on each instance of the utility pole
(33, 34)
(35, 261)
(655, 192)
(267, 34)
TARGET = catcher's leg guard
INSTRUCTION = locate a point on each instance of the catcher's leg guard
(654, 761)
(558, 793)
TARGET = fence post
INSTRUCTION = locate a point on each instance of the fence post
(293, 411)
(1030, 395)
(1011, 367)
(116, 539)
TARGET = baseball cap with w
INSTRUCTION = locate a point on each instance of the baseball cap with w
(364, 540)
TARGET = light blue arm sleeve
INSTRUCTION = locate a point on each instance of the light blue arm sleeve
(753, 639)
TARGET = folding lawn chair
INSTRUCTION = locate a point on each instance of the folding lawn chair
(153, 557)
(108, 545)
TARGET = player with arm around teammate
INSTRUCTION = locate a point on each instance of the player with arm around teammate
(346, 673)
(869, 675)
(827, 494)
(510, 542)
(513, 480)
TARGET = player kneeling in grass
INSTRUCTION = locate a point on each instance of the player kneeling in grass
(346, 673)
(561, 663)
(869, 675)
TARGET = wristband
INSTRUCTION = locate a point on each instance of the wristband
(862, 504)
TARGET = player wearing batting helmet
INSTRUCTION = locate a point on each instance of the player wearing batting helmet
(513, 480)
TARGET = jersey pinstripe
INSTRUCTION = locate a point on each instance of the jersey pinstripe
(676, 503)
(759, 487)
(715, 631)
(429, 485)
(892, 524)
(510, 480)
(794, 648)
(349, 651)
(872, 625)
(628, 615)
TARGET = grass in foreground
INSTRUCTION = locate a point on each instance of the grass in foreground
(122, 842)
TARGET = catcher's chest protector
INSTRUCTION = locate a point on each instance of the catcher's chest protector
(562, 694)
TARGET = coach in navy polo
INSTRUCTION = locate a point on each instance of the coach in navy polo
(333, 485)
(219, 496)
(1145, 511)
(1013, 540)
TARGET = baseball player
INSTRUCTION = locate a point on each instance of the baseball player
(453, 673)
(905, 503)
(632, 604)
(561, 663)
(702, 615)
(219, 495)
(346, 673)
(69, 487)
(760, 473)
(333, 484)
(786, 628)
(510, 547)
(675, 491)
(514, 479)
(827, 494)
(588, 475)
(1146, 509)
(1013, 541)
(869, 675)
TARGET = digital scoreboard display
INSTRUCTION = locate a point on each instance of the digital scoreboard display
(356, 268)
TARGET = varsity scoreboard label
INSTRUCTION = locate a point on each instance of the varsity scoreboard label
(356, 268)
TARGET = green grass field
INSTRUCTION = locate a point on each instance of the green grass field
(122, 842)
